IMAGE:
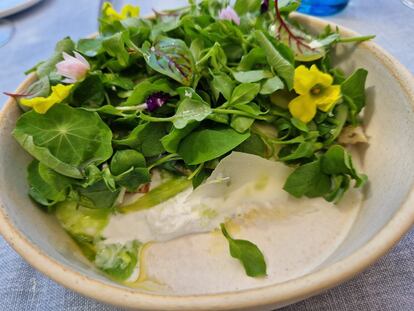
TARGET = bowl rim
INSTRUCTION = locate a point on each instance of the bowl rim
(277, 294)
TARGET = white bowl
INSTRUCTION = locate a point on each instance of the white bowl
(387, 212)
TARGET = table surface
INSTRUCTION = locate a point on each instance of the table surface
(387, 285)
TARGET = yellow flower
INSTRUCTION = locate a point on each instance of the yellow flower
(43, 104)
(315, 91)
(127, 11)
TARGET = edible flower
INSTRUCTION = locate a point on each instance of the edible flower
(229, 14)
(43, 104)
(315, 91)
(156, 101)
(128, 10)
(73, 68)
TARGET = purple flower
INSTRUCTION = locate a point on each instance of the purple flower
(156, 101)
(229, 14)
(265, 6)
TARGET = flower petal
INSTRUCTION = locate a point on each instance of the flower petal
(328, 98)
(229, 14)
(39, 104)
(303, 108)
(60, 91)
(129, 10)
(304, 80)
(82, 59)
(320, 77)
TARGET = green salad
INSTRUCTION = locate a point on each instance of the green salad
(175, 94)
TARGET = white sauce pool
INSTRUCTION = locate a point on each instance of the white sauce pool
(190, 256)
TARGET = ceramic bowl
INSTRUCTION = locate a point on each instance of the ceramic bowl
(387, 211)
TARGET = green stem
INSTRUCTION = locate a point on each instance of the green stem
(356, 39)
(196, 171)
(240, 113)
(170, 157)
(155, 119)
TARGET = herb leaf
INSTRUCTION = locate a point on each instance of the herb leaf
(210, 143)
(248, 253)
(354, 89)
(284, 69)
(172, 58)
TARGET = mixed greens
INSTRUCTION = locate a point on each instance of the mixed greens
(176, 93)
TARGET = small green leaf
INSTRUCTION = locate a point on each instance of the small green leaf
(144, 89)
(244, 93)
(191, 108)
(89, 93)
(174, 137)
(354, 88)
(248, 253)
(130, 169)
(115, 46)
(46, 186)
(308, 180)
(222, 84)
(208, 144)
(251, 76)
(90, 47)
(284, 69)
(271, 85)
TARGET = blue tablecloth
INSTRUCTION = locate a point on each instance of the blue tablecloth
(387, 285)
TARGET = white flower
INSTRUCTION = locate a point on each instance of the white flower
(229, 14)
(73, 68)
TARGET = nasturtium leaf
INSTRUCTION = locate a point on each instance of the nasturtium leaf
(172, 58)
(66, 139)
(117, 260)
(45, 68)
(283, 67)
(248, 253)
(208, 144)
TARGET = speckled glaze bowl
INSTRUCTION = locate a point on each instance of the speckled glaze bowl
(387, 211)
